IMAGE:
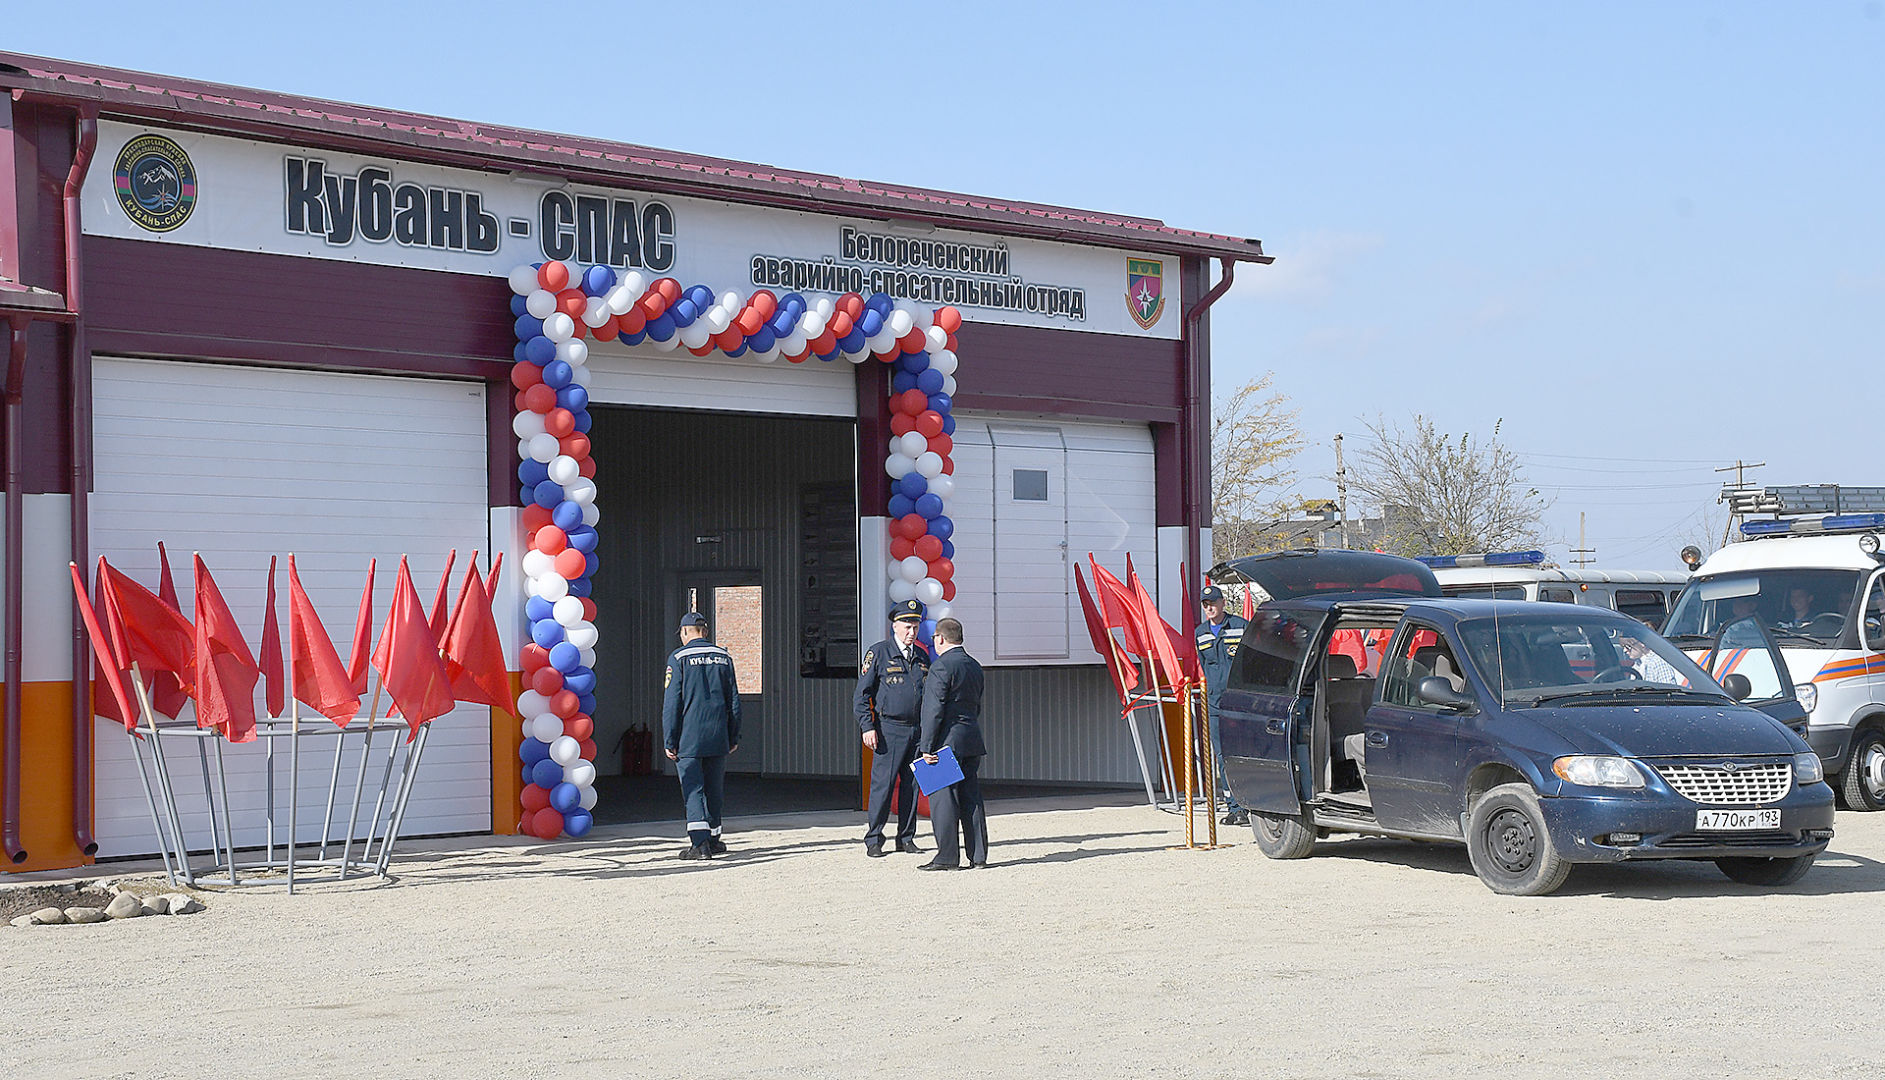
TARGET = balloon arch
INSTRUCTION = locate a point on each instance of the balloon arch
(557, 305)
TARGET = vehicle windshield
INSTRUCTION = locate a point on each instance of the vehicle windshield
(1486, 591)
(1534, 658)
(1802, 607)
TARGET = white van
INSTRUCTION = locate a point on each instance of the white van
(1644, 595)
(1815, 587)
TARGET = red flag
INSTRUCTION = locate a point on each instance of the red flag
(225, 670)
(156, 636)
(1125, 677)
(102, 649)
(407, 658)
(436, 620)
(362, 634)
(275, 683)
(103, 703)
(1118, 605)
(490, 583)
(167, 693)
(474, 658)
(1162, 637)
(321, 679)
(1249, 609)
(1187, 641)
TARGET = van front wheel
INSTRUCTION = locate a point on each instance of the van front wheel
(1282, 837)
(1509, 845)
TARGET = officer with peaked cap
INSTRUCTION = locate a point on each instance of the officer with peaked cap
(888, 700)
(1218, 637)
(700, 726)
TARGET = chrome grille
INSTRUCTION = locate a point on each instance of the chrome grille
(1730, 785)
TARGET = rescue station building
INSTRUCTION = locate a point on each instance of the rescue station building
(247, 324)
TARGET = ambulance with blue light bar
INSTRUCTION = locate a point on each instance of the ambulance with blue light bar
(1812, 580)
(1643, 595)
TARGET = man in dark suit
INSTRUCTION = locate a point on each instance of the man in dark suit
(952, 717)
(700, 726)
(889, 696)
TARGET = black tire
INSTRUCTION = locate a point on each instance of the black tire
(1509, 845)
(1753, 871)
(1863, 782)
(1282, 837)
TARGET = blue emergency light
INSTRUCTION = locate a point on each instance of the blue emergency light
(1810, 526)
(1501, 558)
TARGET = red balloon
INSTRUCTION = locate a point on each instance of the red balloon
(525, 375)
(589, 608)
(913, 525)
(942, 444)
(632, 321)
(651, 305)
(949, 466)
(901, 547)
(926, 548)
(550, 540)
(930, 423)
(575, 444)
(580, 727)
(763, 302)
(546, 824)
(729, 339)
(888, 357)
(799, 358)
(749, 322)
(902, 423)
(588, 745)
(703, 350)
(851, 304)
(572, 302)
(587, 466)
(951, 343)
(535, 798)
(564, 704)
(541, 399)
(823, 343)
(569, 564)
(546, 681)
(535, 656)
(535, 517)
(553, 276)
(840, 324)
(913, 342)
(669, 289)
(611, 327)
(949, 590)
(559, 422)
(942, 569)
(910, 401)
(517, 402)
(949, 319)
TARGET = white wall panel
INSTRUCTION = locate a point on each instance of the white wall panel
(681, 380)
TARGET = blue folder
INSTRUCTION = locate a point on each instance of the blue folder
(933, 778)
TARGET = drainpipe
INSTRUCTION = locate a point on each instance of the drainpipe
(79, 395)
(1198, 430)
(15, 581)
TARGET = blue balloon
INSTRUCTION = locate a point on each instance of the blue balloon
(531, 472)
(547, 494)
(586, 703)
(539, 350)
(762, 339)
(519, 305)
(870, 322)
(901, 382)
(564, 797)
(738, 351)
(942, 403)
(536, 609)
(684, 312)
(580, 681)
(583, 538)
(581, 587)
(634, 339)
(527, 326)
(557, 374)
(598, 280)
(949, 549)
(781, 323)
(941, 528)
(566, 515)
(701, 295)
(546, 632)
(573, 397)
(546, 773)
(532, 751)
(565, 657)
(930, 506)
(590, 563)
(881, 303)
(913, 484)
(794, 301)
(661, 327)
(583, 421)
(929, 380)
(852, 342)
(527, 495)
(915, 363)
(577, 823)
(901, 504)
(518, 354)
(949, 425)
(926, 631)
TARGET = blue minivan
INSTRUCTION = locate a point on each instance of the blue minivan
(1540, 735)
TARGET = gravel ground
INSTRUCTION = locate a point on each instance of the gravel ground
(1088, 949)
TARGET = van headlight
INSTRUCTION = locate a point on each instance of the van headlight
(1594, 770)
(1807, 768)
(1808, 695)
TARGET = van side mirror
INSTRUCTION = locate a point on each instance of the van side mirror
(1739, 686)
(1437, 691)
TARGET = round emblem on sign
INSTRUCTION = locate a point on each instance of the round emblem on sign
(155, 183)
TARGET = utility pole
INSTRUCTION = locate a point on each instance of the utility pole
(1739, 468)
(1341, 493)
(1580, 555)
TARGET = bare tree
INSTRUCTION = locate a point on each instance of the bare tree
(1442, 495)
(1254, 442)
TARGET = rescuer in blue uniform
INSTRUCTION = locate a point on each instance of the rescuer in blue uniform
(888, 699)
(700, 726)
(1218, 637)
(952, 717)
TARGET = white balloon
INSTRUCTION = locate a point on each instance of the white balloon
(857, 357)
(567, 611)
(672, 343)
(895, 567)
(523, 448)
(881, 341)
(587, 656)
(581, 490)
(559, 327)
(575, 273)
(930, 465)
(921, 318)
(900, 323)
(929, 590)
(530, 703)
(523, 280)
(582, 635)
(588, 798)
(572, 352)
(543, 447)
(620, 299)
(912, 444)
(537, 563)
(546, 727)
(938, 612)
(582, 774)
(566, 751)
(591, 515)
(635, 283)
(824, 307)
(564, 470)
(767, 356)
(812, 325)
(541, 303)
(914, 569)
(942, 486)
(793, 343)
(579, 373)
(898, 465)
(901, 591)
(530, 586)
(551, 587)
(596, 312)
(944, 361)
(527, 424)
(949, 385)
(938, 341)
(694, 335)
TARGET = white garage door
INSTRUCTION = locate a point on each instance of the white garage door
(242, 463)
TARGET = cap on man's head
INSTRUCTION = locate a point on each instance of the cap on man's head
(1211, 595)
(694, 618)
(906, 611)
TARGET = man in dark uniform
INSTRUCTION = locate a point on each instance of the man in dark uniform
(952, 717)
(700, 726)
(1218, 637)
(889, 695)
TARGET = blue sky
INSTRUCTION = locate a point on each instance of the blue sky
(1648, 237)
